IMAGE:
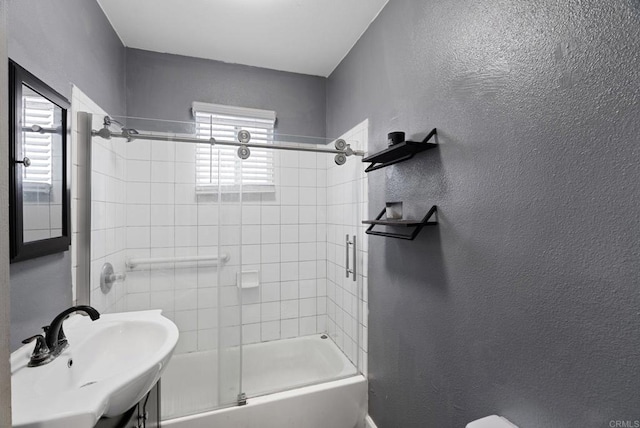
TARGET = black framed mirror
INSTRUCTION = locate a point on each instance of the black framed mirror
(39, 184)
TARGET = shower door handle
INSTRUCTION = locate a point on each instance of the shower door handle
(353, 271)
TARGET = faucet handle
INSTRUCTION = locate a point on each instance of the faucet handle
(41, 354)
(62, 340)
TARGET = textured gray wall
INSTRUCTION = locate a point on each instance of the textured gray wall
(66, 42)
(163, 86)
(40, 290)
(524, 300)
(61, 42)
(5, 369)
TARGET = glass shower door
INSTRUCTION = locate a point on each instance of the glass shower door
(300, 314)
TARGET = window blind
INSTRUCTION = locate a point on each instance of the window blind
(36, 146)
(219, 167)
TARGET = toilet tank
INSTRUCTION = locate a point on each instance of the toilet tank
(492, 421)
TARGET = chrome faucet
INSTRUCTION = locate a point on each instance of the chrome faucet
(49, 346)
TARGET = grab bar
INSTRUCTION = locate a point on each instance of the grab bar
(132, 263)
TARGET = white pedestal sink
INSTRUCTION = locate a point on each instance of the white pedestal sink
(109, 366)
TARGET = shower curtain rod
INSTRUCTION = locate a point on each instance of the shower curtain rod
(131, 134)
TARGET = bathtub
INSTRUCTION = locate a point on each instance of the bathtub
(319, 388)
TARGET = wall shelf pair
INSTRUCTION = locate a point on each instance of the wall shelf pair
(397, 153)
(417, 225)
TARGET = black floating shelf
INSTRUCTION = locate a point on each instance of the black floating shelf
(416, 224)
(399, 152)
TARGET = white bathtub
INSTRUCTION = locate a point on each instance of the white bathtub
(304, 368)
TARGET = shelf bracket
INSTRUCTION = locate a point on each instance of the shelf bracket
(375, 166)
(418, 225)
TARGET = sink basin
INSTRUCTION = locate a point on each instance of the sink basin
(109, 366)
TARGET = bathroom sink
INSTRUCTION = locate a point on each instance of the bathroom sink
(109, 366)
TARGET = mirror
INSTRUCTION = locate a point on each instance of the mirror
(39, 185)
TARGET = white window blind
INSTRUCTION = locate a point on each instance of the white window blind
(218, 168)
(36, 146)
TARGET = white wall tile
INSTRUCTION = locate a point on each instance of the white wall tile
(289, 309)
(251, 313)
(187, 342)
(162, 193)
(251, 333)
(207, 339)
(289, 252)
(270, 311)
(163, 172)
(138, 171)
(230, 235)
(186, 236)
(186, 299)
(308, 307)
(186, 215)
(230, 336)
(289, 328)
(289, 271)
(270, 215)
(307, 325)
(270, 330)
(161, 215)
(185, 194)
(251, 234)
(230, 214)
(207, 297)
(186, 320)
(270, 253)
(138, 237)
(289, 215)
(270, 234)
(163, 151)
(230, 316)
(289, 290)
(138, 193)
(288, 233)
(307, 288)
(207, 318)
(251, 214)
(162, 236)
(251, 254)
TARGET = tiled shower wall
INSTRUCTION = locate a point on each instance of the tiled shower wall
(347, 205)
(284, 237)
(164, 219)
(280, 234)
(107, 205)
(145, 205)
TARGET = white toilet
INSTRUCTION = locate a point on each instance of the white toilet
(492, 421)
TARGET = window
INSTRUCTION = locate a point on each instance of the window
(37, 146)
(218, 168)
